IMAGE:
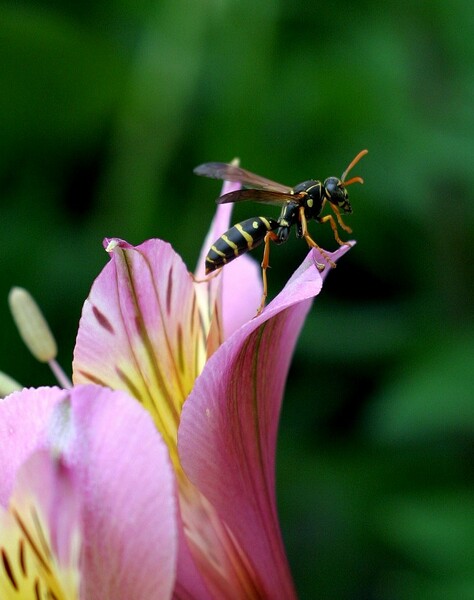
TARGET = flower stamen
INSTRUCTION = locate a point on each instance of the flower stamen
(35, 332)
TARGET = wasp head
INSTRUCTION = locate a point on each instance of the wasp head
(337, 194)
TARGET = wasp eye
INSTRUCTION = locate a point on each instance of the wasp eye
(332, 186)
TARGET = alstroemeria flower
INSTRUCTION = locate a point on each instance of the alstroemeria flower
(77, 520)
(148, 328)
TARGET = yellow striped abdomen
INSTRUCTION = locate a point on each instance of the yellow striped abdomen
(239, 239)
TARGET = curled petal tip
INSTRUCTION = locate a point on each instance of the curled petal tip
(111, 244)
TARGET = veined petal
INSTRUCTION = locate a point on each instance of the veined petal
(125, 486)
(242, 289)
(24, 419)
(141, 332)
(227, 436)
(231, 298)
(40, 538)
(130, 521)
(220, 223)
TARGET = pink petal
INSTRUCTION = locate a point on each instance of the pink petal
(220, 224)
(40, 532)
(54, 486)
(126, 484)
(237, 290)
(242, 289)
(140, 331)
(24, 419)
(189, 581)
(227, 436)
(130, 508)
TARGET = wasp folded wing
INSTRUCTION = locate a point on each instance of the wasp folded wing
(218, 170)
(262, 196)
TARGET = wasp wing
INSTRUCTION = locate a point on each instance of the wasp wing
(217, 170)
(263, 196)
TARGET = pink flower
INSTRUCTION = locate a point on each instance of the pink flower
(176, 496)
(149, 329)
(78, 521)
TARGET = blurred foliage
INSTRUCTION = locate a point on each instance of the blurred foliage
(105, 108)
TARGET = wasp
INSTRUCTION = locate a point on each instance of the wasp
(299, 204)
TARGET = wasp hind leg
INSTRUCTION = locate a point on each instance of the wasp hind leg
(269, 237)
(312, 244)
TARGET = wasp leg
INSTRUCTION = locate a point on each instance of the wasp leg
(207, 278)
(332, 222)
(339, 218)
(265, 264)
(312, 244)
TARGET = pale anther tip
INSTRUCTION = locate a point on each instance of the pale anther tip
(31, 325)
(8, 385)
(112, 245)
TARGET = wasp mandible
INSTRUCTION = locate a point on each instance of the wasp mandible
(299, 204)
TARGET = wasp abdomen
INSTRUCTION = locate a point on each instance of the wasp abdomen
(239, 239)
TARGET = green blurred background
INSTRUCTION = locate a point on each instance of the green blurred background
(106, 107)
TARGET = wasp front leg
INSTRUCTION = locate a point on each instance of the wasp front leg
(330, 219)
(335, 209)
(312, 244)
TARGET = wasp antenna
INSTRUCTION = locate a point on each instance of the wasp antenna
(351, 164)
(353, 180)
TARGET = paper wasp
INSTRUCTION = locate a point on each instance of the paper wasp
(299, 204)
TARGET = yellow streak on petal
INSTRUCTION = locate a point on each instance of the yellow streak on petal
(226, 570)
(28, 567)
(167, 362)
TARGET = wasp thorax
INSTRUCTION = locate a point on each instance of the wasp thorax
(308, 186)
(337, 194)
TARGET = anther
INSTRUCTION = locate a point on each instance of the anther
(32, 326)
